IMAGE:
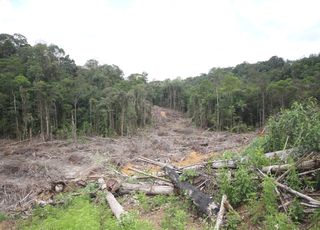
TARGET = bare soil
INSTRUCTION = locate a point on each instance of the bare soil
(29, 168)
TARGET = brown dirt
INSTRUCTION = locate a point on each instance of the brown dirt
(29, 167)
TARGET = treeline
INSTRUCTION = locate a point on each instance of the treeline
(43, 92)
(242, 97)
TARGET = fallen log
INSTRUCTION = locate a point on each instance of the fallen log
(204, 202)
(220, 213)
(148, 189)
(115, 206)
(304, 165)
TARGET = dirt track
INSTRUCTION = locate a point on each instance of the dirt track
(29, 167)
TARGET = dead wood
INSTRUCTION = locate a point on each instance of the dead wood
(148, 189)
(220, 213)
(144, 159)
(304, 165)
(147, 174)
(298, 194)
(282, 154)
(296, 164)
(115, 206)
(203, 201)
(308, 172)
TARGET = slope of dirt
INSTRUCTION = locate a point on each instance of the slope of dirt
(29, 167)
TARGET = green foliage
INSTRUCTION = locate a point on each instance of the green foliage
(174, 219)
(238, 190)
(300, 123)
(296, 211)
(244, 185)
(293, 179)
(233, 220)
(257, 145)
(148, 203)
(131, 222)
(269, 195)
(257, 158)
(81, 213)
(188, 175)
(279, 221)
(226, 187)
(315, 220)
(3, 217)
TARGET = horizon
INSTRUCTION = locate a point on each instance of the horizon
(168, 39)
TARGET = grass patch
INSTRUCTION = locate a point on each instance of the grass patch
(81, 213)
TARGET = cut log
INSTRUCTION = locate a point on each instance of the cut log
(309, 164)
(204, 202)
(148, 189)
(282, 154)
(224, 164)
(221, 213)
(115, 206)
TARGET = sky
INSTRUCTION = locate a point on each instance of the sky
(168, 38)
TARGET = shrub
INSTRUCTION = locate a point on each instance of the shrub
(300, 124)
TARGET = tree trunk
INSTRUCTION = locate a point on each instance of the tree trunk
(122, 122)
(221, 213)
(115, 207)
(148, 189)
(47, 121)
(203, 201)
(309, 164)
(74, 130)
(16, 116)
(263, 108)
(218, 111)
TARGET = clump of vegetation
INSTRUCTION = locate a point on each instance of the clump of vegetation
(3, 217)
(298, 126)
(188, 175)
(175, 219)
(233, 220)
(239, 189)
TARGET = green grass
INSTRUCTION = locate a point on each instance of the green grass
(80, 213)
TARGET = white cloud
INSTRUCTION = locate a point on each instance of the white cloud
(168, 38)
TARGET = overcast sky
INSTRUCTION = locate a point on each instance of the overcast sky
(168, 38)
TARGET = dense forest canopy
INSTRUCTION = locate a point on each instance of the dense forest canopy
(43, 92)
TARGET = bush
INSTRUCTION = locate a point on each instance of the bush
(240, 189)
(300, 124)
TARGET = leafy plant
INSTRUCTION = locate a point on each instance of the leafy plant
(296, 211)
(300, 124)
(243, 185)
(269, 195)
(233, 220)
(174, 219)
(278, 221)
(188, 175)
